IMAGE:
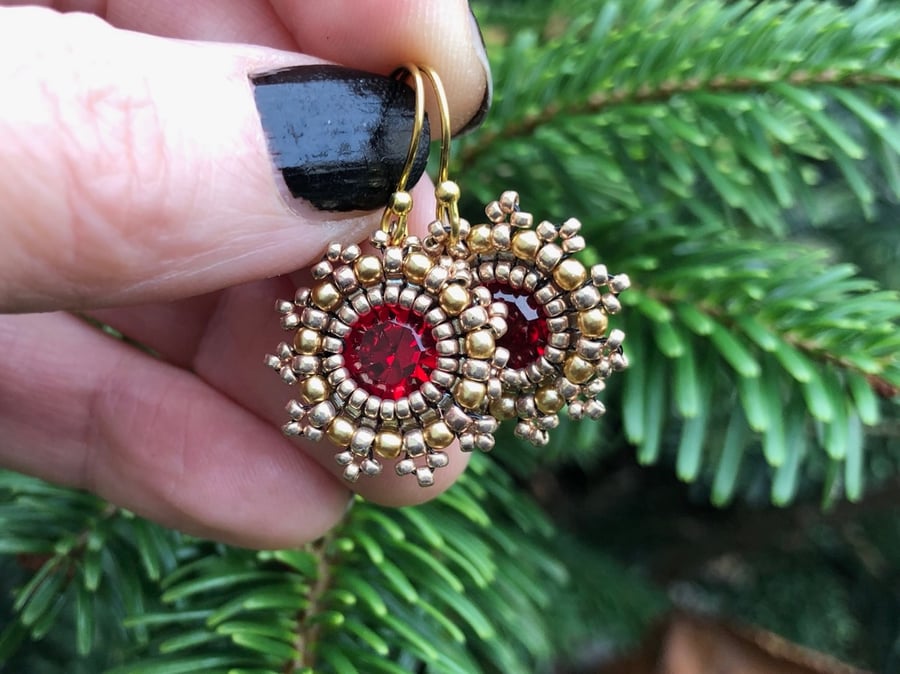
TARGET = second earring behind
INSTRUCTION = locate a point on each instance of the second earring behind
(395, 355)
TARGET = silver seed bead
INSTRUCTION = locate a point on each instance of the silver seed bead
(375, 296)
(484, 443)
(321, 414)
(305, 365)
(548, 257)
(321, 270)
(414, 443)
(501, 236)
(574, 245)
(284, 351)
(283, 306)
(615, 339)
(494, 212)
(351, 252)
(546, 230)
(388, 410)
(620, 283)
(312, 433)
(290, 321)
(343, 458)
(438, 459)
(292, 429)
(467, 442)
(315, 319)
(611, 303)
(287, 375)
(425, 477)
(273, 362)
(586, 297)
(393, 260)
(457, 419)
(295, 410)
(486, 272)
(417, 402)
(351, 472)
(358, 398)
(301, 296)
(371, 467)
(599, 274)
(346, 279)
(473, 317)
(405, 467)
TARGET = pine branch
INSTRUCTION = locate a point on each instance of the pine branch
(644, 108)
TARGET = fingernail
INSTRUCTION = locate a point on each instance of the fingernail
(338, 137)
(481, 50)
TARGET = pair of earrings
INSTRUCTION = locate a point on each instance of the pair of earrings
(397, 353)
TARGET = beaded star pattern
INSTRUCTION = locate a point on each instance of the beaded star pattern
(392, 356)
(557, 350)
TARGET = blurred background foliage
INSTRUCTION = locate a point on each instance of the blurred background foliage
(741, 161)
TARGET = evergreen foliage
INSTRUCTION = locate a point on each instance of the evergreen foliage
(741, 162)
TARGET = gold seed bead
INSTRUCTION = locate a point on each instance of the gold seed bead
(525, 244)
(314, 389)
(388, 444)
(470, 394)
(578, 370)
(570, 274)
(438, 435)
(548, 400)
(368, 270)
(340, 431)
(479, 239)
(480, 344)
(307, 341)
(416, 266)
(447, 192)
(400, 202)
(326, 296)
(454, 298)
(593, 322)
(503, 408)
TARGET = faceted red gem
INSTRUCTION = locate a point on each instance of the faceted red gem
(527, 331)
(390, 352)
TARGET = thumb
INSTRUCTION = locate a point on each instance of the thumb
(136, 168)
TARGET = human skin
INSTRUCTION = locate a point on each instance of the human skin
(137, 190)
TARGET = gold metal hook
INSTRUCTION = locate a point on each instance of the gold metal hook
(446, 191)
(396, 213)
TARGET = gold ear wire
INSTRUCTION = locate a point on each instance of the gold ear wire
(446, 191)
(396, 213)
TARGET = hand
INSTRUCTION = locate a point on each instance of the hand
(136, 188)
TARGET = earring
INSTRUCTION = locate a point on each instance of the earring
(557, 349)
(397, 354)
(393, 354)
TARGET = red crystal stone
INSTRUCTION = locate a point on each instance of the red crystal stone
(527, 331)
(390, 352)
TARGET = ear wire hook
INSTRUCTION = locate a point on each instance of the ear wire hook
(446, 191)
(396, 213)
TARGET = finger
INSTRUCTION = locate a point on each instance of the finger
(250, 21)
(135, 169)
(439, 33)
(174, 330)
(91, 412)
(381, 35)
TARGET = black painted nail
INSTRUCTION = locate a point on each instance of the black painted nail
(485, 104)
(339, 137)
